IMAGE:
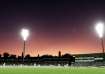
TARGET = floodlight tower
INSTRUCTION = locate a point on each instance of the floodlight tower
(100, 31)
(24, 34)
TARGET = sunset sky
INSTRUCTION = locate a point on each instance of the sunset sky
(66, 26)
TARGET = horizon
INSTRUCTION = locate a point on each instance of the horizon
(51, 54)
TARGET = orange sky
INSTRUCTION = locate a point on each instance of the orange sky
(43, 45)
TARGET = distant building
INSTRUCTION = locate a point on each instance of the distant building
(89, 59)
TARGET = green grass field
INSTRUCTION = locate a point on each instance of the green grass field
(52, 70)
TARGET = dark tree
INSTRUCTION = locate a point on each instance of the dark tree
(0, 55)
(27, 56)
(6, 55)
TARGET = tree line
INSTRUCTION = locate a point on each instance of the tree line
(10, 59)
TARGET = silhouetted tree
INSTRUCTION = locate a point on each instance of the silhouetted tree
(69, 57)
(27, 56)
(0, 55)
(42, 60)
(66, 55)
(5, 56)
(47, 56)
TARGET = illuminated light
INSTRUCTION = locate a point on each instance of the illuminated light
(24, 34)
(100, 29)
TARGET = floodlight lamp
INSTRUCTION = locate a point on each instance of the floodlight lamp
(24, 34)
(100, 29)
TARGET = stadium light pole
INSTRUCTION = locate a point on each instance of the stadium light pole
(100, 31)
(24, 34)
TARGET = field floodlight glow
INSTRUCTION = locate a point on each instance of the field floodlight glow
(100, 29)
(24, 34)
